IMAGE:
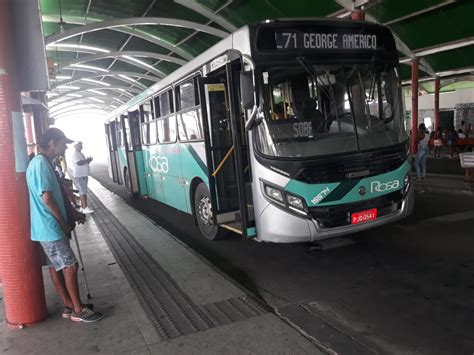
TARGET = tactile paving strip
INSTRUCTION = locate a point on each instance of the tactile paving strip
(169, 309)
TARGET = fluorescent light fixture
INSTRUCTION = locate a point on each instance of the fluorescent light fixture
(344, 14)
(63, 77)
(52, 94)
(139, 61)
(127, 78)
(96, 100)
(78, 47)
(90, 67)
(73, 95)
(66, 87)
(97, 92)
(118, 100)
(96, 82)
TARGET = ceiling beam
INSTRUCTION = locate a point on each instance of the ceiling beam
(222, 7)
(80, 108)
(420, 12)
(110, 73)
(129, 38)
(74, 20)
(114, 88)
(202, 10)
(349, 5)
(84, 100)
(448, 46)
(77, 65)
(441, 74)
(134, 21)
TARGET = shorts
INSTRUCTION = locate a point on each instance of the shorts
(59, 253)
(81, 184)
(438, 142)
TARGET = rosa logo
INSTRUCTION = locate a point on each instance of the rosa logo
(377, 186)
(159, 164)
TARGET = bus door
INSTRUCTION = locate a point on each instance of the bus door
(132, 142)
(113, 154)
(224, 148)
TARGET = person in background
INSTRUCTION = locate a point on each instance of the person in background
(51, 225)
(451, 138)
(437, 142)
(80, 175)
(422, 138)
(469, 131)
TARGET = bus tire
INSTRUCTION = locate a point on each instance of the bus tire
(126, 179)
(128, 185)
(203, 212)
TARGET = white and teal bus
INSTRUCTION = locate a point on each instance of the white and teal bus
(286, 131)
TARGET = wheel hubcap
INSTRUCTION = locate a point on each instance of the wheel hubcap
(205, 210)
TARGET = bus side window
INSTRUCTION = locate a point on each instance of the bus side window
(167, 121)
(148, 123)
(119, 132)
(189, 119)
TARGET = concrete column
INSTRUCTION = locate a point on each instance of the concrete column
(414, 103)
(436, 103)
(20, 268)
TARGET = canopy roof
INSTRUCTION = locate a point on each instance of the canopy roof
(106, 51)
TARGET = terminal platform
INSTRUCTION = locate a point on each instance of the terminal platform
(157, 297)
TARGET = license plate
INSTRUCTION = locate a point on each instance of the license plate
(364, 216)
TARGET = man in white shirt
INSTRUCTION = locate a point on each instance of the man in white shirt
(80, 173)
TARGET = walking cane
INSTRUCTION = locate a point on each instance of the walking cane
(82, 264)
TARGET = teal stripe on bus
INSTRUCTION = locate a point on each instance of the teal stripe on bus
(198, 160)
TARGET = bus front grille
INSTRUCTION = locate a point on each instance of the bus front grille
(340, 215)
(352, 167)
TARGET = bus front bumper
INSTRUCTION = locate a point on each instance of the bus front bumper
(278, 226)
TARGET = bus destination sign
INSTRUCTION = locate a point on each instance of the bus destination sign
(299, 40)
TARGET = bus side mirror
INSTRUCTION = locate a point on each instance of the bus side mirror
(247, 89)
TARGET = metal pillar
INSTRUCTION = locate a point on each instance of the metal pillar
(436, 103)
(23, 288)
(358, 15)
(414, 103)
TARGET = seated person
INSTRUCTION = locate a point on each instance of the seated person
(311, 113)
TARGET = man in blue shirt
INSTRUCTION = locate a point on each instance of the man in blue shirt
(50, 227)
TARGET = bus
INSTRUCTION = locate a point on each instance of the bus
(285, 131)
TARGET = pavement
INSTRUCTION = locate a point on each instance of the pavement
(444, 175)
(127, 326)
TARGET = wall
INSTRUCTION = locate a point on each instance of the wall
(459, 101)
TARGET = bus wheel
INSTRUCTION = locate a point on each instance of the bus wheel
(203, 211)
(126, 179)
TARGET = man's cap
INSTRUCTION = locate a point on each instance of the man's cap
(53, 134)
(76, 143)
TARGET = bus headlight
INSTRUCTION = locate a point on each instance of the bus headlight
(274, 193)
(285, 199)
(295, 202)
(406, 183)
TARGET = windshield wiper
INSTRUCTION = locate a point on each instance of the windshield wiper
(320, 85)
(351, 105)
(315, 78)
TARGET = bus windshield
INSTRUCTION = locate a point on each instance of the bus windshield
(317, 110)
